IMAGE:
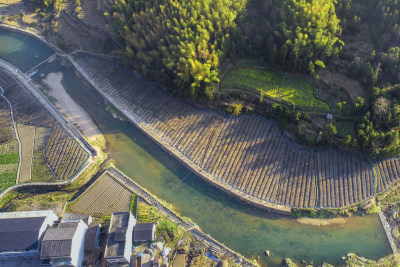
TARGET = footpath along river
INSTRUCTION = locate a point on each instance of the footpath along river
(248, 230)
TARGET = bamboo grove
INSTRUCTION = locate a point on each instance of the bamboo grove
(182, 43)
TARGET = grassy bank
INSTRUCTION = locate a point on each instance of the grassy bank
(289, 88)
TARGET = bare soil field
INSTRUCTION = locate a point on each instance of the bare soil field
(353, 87)
(73, 112)
(27, 136)
(105, 196)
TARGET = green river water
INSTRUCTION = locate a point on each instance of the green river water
(243, 228)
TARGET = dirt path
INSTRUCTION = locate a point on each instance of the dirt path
(71, 110)
(27, 137)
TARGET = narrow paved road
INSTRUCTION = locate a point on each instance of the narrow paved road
(27, 82)
(190, 226)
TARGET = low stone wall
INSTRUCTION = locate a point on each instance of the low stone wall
(388, 231)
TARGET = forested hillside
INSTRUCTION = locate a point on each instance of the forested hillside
(186, 45)
(184, 42)
(178, 41)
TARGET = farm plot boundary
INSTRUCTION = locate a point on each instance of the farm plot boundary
(247, 156)
(40, 116)
(106, 195)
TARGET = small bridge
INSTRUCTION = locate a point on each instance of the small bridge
(49, 59)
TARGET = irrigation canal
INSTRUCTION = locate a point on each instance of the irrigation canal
(241, 227)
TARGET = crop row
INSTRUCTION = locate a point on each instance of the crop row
(6, 130)
(6, 80)
(106, 195)
(246, 153)
(63, 154)
(388, 172)
(27, 109)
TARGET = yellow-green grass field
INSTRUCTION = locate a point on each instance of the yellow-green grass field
(251, 78)
(9, 160)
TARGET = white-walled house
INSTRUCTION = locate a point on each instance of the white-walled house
(69, 217)
(21, 233)
(64, 244)
(119, 240)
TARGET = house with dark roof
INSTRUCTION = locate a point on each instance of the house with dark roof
(92, 239)
(69, 217)
(144, 232)
(119, 240)
(63, 245)
(21, 233)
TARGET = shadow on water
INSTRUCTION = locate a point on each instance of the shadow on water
(240, 226)
(248, 230)
(119, 131)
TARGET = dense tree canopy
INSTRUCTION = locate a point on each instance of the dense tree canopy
(185, 41)
(297, 34)
(182, 41)
(386, 24)
(306, 33)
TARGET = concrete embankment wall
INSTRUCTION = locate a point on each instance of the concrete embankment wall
(388, 231)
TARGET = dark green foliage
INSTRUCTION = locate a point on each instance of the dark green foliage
(329, 133)
(385, 16)
(298, 34)
(46, 5)
(181, 43)
(286, 113)
(177, 41)
(133, 204)
(391, 64)
(375, 141)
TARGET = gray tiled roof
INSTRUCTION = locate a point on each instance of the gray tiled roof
(55, 249)
(114, 247)
(57, 241)
(91, 237)
(60, 233)
(18, 234)
(143, 231)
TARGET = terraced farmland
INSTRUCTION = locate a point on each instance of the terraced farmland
(388, 172)
(6, 130)
(9, 157)
(105, 196)
(248, 155)
(63, 154)
(48, 152)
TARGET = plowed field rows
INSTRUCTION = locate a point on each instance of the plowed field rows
(64, 156)
(106, 195)
(246, 153)
(388, 172)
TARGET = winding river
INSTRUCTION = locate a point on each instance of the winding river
(241, 227)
